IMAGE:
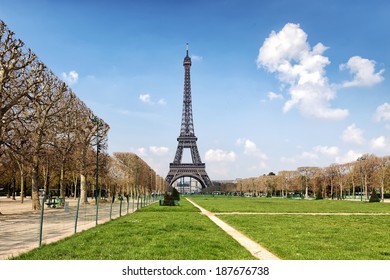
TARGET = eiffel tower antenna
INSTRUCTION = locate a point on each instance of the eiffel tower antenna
(187, 139)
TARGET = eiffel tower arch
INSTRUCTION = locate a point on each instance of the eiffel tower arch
(187, 140)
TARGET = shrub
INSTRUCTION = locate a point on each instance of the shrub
(170, 198)
(175, 194)
(319, 195)
(374, 196)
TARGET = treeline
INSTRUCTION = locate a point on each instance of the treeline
(49, 137)
(130, 175)
(358, 179)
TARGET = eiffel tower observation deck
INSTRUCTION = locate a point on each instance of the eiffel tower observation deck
(187, 139)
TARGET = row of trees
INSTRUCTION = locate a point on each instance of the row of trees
(355, 179)
(42, 120)
(120, 174)
(130, 175)
(49, 137)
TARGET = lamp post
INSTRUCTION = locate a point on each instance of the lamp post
(361, 176)
(98, 124)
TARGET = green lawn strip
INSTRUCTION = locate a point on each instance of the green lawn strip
(318, 237)
(152, 233)
(218, 204)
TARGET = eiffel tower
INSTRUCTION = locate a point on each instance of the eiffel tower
(187, 140)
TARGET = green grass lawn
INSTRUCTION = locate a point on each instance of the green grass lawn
(298, 237)
(181, 233)
(305, 237)
(255, 204)
(152, 233)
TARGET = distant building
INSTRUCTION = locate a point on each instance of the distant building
(187, 187)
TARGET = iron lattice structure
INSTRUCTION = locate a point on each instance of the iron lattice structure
(187, 140)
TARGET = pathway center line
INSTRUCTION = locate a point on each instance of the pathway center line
(254, 248)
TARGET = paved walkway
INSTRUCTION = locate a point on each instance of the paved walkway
(20, 226)
(254, 248)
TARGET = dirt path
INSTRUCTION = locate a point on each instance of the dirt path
(254, 248)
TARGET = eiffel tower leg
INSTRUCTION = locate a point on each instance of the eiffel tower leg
(195, 154)
(179, 154)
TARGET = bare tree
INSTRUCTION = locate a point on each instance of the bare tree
(383, 174)
(15, 67)
(45, 108)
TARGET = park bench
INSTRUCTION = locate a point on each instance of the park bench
(55, 202)
(51, 202)
(60, 201)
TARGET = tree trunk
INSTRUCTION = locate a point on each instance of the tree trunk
(365, 186)
(383, 192)
(34, 185)
(62, 187)
(75, 185)
(46, 185)
(14, 186)
(21, 169)
(83, 189)
(331, 188)
(21, 187)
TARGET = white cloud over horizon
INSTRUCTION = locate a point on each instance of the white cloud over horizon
(381, 143)
(219, 155)
(353, 134)
(383, 112)
(349, 156)
(158, 151)
(250, 148)
(325, 150)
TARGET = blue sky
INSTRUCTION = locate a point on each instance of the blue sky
(275, 84)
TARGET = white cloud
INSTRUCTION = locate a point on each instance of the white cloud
(288, 160)
(289, 55)
(350, 156)
(196, 57)
(308, 156)
(380, 143)
(141, 152)
(303, 157)
(162, 102)
(353, 134)
(250, 148)
(383, 112)
(274, 96)
(145, 98)
(158, 151)
(363, 72)
(70, 78)
(219, 155)
(325, 150)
